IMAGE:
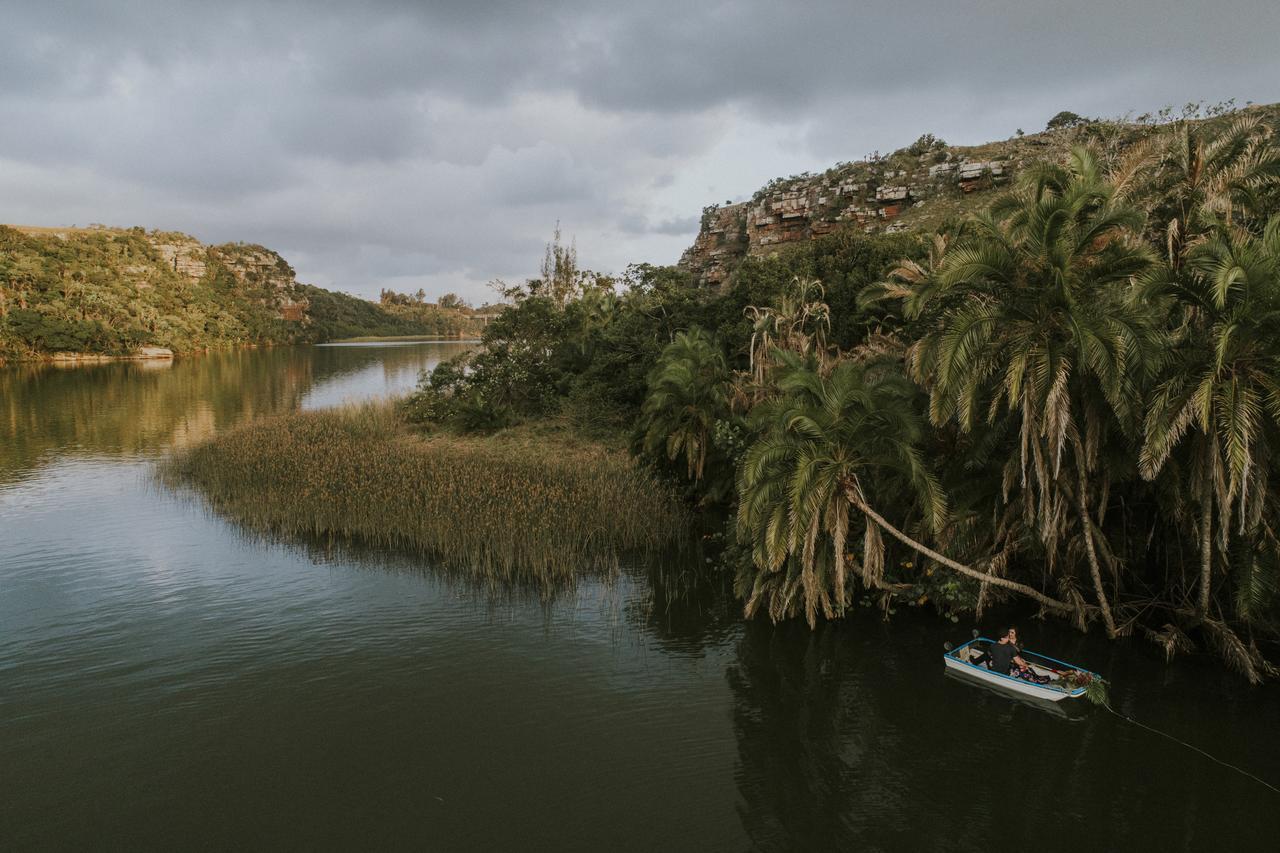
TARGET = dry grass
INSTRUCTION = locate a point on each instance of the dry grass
(46, 230)
(527, 504)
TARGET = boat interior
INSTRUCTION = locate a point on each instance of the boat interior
(975, 654)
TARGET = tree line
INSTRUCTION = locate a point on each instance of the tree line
(1071, 398)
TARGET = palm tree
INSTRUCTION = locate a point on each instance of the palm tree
(798, 323)
(829, 445)
(688, 393)
(1197, 173)
(1030, 318)
(1224, 388)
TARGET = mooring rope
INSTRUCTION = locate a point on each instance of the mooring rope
(1226, 764)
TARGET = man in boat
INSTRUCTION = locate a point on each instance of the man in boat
(1006, 658)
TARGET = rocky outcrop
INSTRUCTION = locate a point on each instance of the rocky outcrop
(184, 255)
(918, 187)
(250, 265)
(876, 195)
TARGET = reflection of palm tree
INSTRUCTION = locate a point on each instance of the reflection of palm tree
(815, 753)
(854, 740)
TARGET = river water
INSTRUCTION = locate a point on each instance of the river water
(169, 682)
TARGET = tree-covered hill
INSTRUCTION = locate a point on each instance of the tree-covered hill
(111, 291)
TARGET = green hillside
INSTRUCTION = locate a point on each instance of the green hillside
(111, 291)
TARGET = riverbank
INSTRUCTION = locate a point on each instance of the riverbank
(423, 339)
(141, 354)
(530, 503)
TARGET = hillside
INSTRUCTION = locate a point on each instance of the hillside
(915, 188)
(114, 291)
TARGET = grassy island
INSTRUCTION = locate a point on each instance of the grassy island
(527, 503)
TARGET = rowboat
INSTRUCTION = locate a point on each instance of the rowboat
(962, 661)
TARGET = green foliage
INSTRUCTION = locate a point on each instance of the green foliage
(587, 357)
(822, 444)
(925, 144)
(50, 332)
(688, 396)
(1096, 689)
(111, 291)
(1066, 119)
(846, 262)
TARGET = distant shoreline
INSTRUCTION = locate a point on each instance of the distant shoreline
(426, 339)
(157, 354)
(72, 358)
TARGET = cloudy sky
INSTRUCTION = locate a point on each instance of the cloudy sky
(436, 144)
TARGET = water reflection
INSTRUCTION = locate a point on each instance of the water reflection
(145, 408)
(852, 737)
(165, 676)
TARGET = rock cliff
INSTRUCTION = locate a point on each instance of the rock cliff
(917, 187)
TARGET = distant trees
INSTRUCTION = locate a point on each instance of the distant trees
(1066, 119)
(926, 144)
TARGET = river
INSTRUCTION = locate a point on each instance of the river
(168, 681)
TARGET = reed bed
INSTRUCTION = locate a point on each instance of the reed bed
(516, 506)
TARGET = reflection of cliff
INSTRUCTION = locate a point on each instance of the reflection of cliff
(128, 408)
(816, 749)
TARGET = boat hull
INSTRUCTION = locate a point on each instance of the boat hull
(957, 661)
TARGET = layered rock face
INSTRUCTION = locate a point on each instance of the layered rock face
(249, 264)
(918, 187)
(879, 195)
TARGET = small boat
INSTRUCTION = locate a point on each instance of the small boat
(962, 661)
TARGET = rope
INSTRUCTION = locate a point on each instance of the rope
(1241, 771)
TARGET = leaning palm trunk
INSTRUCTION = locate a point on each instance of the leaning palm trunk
(1086, 526)
(920, 547)
(1206, 556)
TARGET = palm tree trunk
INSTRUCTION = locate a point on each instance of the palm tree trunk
(1004, 583)
(1086, 527)
(1206, 555)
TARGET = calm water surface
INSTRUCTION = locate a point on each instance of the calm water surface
(168, 682)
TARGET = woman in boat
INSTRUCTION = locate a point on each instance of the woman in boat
(1006, 658)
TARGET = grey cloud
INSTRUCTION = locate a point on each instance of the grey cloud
(679, 226)
(440, 142)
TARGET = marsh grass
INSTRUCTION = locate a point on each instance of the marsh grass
(532, 504)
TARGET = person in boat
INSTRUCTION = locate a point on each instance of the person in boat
(1006, 658)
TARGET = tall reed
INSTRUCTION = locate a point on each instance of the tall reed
(507, 507)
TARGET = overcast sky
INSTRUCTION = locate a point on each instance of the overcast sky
(436, 144)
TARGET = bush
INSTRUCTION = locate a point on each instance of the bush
(1066, 119)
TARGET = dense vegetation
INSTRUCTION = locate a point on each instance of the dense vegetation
(333, 316)
(540, 506)
(1071, 398)
(110, 291)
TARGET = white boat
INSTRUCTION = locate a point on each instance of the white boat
(962, 661)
